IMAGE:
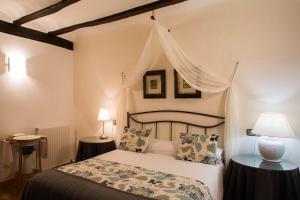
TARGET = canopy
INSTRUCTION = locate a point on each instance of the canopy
(161, 40)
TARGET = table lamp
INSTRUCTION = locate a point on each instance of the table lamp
(103, 116)
(272, 126)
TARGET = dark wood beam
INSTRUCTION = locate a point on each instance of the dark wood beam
(28, 33)
(44, 12)
(119, 16)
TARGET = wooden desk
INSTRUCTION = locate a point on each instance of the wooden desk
(20, 143)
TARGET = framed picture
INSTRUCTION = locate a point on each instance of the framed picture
(182, 89)
(154, 84)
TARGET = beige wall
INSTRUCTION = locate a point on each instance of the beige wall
(44, 97)
(262, 35)
(99, 60)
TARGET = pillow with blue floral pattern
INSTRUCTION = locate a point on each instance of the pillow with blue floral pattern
(198, 148)
(135, 139)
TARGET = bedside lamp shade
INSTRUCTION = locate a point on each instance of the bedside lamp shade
(103, 114)
(273, 125)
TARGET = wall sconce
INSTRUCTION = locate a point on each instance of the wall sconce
(16, 66)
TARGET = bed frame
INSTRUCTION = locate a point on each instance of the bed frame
(132, 116)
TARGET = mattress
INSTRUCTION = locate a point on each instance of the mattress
(83, 180)
(211, 175)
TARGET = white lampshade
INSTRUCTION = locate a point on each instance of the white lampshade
(103, 114)
(273, 125)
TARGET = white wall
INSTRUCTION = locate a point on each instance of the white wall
(99, 60)
(262, 35)
(44, 96)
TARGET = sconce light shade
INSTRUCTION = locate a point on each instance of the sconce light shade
(103, 114)
(16, 66)
(273, 125)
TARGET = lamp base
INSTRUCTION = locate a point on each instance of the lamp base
(271, 149)
(103, 137)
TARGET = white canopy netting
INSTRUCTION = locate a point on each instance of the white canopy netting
(160, 40)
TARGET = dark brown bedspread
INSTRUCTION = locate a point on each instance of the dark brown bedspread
(56, 185)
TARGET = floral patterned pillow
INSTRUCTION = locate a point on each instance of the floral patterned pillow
(198, 148)
(135, 140)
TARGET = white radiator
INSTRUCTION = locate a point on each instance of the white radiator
(60, 146)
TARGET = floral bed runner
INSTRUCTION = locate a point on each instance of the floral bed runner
(139, 181)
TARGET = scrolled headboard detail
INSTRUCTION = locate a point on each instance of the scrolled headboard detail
(133, 117)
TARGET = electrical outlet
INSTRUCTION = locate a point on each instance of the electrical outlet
(250, 133)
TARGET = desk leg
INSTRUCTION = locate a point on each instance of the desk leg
(19, 181)
(40, 159)
(36, 157)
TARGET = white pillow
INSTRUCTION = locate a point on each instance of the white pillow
(169, 148)
(162, 147)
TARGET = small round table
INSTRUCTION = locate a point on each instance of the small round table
(92, 146)
(23, 140)
(248, 177)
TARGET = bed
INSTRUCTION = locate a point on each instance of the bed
(123, 174)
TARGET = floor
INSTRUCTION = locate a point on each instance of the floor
(8, 189)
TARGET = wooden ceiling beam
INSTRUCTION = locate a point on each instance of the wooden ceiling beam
(28, 33)
(44, 12)
(119, 16)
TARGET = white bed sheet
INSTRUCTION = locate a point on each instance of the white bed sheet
(211, 175)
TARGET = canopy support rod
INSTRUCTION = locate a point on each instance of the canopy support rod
(234, 71)
(153, 15)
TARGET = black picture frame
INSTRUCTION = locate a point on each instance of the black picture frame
(179, 95)
(162, 75)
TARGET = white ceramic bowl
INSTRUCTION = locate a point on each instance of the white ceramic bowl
(26, 137)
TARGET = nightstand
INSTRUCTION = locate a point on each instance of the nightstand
(248, 177)
(92, 146)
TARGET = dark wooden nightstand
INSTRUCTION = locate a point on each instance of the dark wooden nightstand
(92, 146)
(248, 177)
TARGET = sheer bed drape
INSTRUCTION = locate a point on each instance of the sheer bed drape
(161, 40)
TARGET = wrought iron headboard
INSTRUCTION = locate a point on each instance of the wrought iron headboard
(131, 116)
